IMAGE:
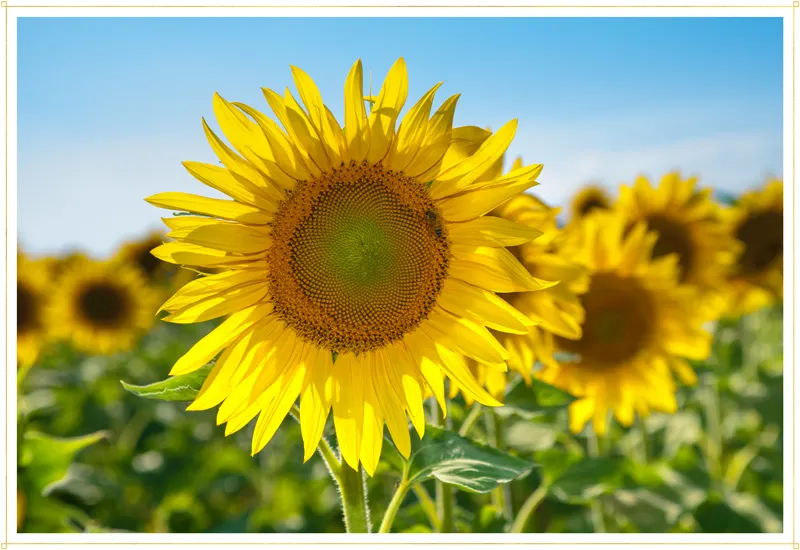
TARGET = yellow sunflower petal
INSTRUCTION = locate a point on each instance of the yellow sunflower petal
(470, 205)
(491, 231)
(315, 402)
(426, 163)
(348, 408)
(386, 110)
(205, 350)
(229, 210)
(481, 306)
(356, 128)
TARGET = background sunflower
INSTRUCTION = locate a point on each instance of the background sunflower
(714, 465)
(684, 218)
(33, 290)
(639, 327)
(756, 221)
(101, 307)
(589, 198)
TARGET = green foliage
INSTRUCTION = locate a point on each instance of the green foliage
(94, 457)
(176, 388)
(458, 461)
(531, 401)
(46, 459)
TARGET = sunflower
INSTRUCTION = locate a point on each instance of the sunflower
(136, 253)
(555, 310)
(639, 328)
(684, 217)
(757, 222)
(57, 265)
(360, 268)
(589, 198)
(102, 307)
(33, 285)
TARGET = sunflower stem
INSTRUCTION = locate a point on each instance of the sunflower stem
(501, 495)
(644, 452)
(472, 417)
(713, 446)
(353, 490)
(351, 483)
(593, 448)
(428, 506)
(324, 449)
(444, 492)
(528, 508)
(394, 504)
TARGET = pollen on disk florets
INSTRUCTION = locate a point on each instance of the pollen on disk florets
(358, 258)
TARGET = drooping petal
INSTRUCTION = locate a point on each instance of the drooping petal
(348, 406)
(481, 306)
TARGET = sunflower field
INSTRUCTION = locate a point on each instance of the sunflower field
(384, 328)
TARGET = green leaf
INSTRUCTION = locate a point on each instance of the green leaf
(588, 479)
(176, 388)
(717, 516)
(648, 511)
(531, 401)
(459, 461)
(488, 520)
(46, 459)
(529, 436)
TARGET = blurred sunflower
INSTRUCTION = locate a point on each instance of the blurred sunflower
(684, 219)
(136, 253)
(101, 307)
(57, 265)
(33, 288)
(639, 326)
(757, 222)
(22, 508)
(555, 310)
(589, 198)
(361, 267)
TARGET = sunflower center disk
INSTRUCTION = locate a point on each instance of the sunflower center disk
(358, 258)
(618, 324)
(145, 261)
(762, 235)
(27, 310)
(102, 305)
(592, 204)
(673, 238)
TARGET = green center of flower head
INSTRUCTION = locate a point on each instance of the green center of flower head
(358, 258)
(620, 321)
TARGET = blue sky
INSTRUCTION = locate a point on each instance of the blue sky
(108, 108)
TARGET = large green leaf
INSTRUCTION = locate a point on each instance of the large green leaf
(176, 388)
(46, 459)
(588, 479)
(717, 516)
(531, 401)
(649, 512)
(459, 461)
(529, 436)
